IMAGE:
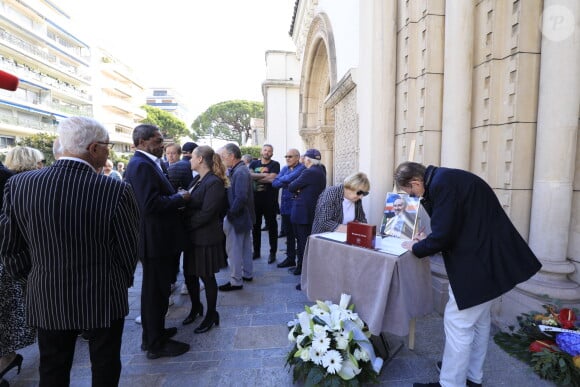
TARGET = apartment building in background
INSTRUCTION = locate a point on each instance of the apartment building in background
(61, 75)
(117, 98)
(171, 101)
(53, 66)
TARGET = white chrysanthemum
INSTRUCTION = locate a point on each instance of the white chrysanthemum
(316, 356)
(291, 335)
(341, 339)
(332, 361)
(321, 343)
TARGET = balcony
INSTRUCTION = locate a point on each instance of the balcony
(21, 45)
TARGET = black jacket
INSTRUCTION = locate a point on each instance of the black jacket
(484, 254)
(205, 210)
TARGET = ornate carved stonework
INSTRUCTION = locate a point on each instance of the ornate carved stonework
(346, 137)
(343, 87)
(302, 24)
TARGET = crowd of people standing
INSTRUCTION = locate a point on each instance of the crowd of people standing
(206, 207)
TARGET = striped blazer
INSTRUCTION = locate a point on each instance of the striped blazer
(72, 233)
(328, 214)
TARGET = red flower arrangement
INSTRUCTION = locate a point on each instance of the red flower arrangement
(549, 342)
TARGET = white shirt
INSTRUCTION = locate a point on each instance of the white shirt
(348, 214)
(153, 158)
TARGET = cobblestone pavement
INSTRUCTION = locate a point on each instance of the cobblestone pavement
(249, 346)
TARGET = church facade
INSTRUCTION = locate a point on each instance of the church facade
(490, 86)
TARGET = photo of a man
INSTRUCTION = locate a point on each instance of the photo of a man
(399, 216)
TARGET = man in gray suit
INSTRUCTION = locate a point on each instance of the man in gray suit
(239, 220)
(72, 234)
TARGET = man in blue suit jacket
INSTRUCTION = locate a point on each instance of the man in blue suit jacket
(161, 238)
(71, 233)
(306, 189)
(290, 172)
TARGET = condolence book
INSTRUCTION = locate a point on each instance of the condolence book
(361, 234)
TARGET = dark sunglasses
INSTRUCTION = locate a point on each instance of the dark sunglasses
(290, 156)
(363, 193)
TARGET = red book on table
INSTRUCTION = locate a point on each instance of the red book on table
(361, 234)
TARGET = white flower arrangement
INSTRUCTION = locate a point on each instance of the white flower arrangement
(332, 346)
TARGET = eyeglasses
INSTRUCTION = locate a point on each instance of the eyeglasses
(290, 156)
(108, 144)
(363, 193)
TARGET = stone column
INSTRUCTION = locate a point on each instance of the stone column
(556, 141)
(376, 100)
(457, 80)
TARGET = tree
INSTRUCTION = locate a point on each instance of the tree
(227, 120)
(170, 126)
(41, 141)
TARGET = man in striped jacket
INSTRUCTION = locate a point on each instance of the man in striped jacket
(71, 233)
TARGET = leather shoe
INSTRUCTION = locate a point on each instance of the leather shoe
(208, 323)
(297, 271)
(298, 287)
(272, 258)
(468, 382)
(248, 279)
(229, 287)
(171, 348)
(287, 263)
(256, 256)
(282, 235)
(167, 334)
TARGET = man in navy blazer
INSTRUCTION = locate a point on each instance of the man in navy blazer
(71, 233)
(306, 189)
(484, 256)
(161, 238)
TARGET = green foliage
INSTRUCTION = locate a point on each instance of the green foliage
(170, 126)
(554, 364)
(557, 367)
(252, 150)
(41, 141)
(227, 120)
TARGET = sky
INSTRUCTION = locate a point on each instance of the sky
(209, 50)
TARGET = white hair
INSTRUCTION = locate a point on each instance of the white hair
(313, 161)
(77, 133)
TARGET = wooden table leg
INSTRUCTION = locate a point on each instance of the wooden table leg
(412, 334)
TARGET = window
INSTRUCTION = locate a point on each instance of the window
(7, 141)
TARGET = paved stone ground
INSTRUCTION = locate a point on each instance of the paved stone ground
(249, 346)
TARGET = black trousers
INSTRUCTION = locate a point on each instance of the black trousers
(265, 205)
(57, 348)
(302, 231)
(155, 291)
(176, 268)
(290, 237)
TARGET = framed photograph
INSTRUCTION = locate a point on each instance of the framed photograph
(400, 215)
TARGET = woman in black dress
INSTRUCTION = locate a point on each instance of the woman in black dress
(205, 255)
